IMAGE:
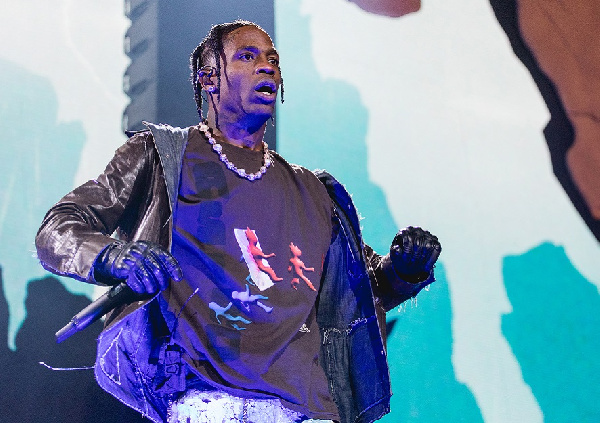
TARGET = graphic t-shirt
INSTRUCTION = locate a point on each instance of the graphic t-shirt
(252, 254)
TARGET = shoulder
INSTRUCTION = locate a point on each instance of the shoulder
(156, 137)
(138, 143)
(335, 188)
(298, 171)
(153, 133)
(141, 137)
(167, 133)
(136, 152)
(278, 158)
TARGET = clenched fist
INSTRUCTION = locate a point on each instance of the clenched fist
(414, 252)
(146, 267)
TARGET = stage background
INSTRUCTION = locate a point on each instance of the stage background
(451, 115)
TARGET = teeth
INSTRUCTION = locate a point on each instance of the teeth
(265, 89)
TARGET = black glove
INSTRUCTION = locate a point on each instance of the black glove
(146, 267)
(414, 253)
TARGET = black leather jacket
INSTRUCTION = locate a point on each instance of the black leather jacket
(134, 198)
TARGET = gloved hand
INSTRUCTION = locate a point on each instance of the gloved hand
(146, 267)
(414, 253)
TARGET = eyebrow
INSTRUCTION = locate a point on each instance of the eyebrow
(256, 50)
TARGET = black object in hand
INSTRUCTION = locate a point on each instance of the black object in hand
(414, 252)
(144, 266)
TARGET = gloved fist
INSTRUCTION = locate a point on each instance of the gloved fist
(146, 267)
(414, 253)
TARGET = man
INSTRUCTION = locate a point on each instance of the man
(272, 312)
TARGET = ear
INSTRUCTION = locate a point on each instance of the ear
(206, 77)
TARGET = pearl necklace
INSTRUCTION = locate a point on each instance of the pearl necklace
(218, 148)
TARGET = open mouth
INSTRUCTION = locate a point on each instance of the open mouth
(267, 88)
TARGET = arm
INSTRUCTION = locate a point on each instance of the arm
(74, 237)
(406, 270)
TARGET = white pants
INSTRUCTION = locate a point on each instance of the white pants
(219, 407)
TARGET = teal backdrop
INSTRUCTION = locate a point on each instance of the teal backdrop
(429, 119)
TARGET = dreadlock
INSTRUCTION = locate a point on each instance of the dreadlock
(211, 47)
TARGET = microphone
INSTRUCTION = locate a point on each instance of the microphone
(115, 296)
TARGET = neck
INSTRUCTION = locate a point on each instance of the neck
(246, 133)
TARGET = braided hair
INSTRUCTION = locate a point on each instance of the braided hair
(211, 47)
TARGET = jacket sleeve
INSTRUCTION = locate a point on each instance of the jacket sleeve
(389, 289)
(80, 225)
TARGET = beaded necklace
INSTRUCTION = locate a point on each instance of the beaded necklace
(218, 149)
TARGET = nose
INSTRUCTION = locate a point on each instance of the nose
(265, 67)
(269, 70)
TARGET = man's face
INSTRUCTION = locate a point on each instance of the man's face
(250, 76)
